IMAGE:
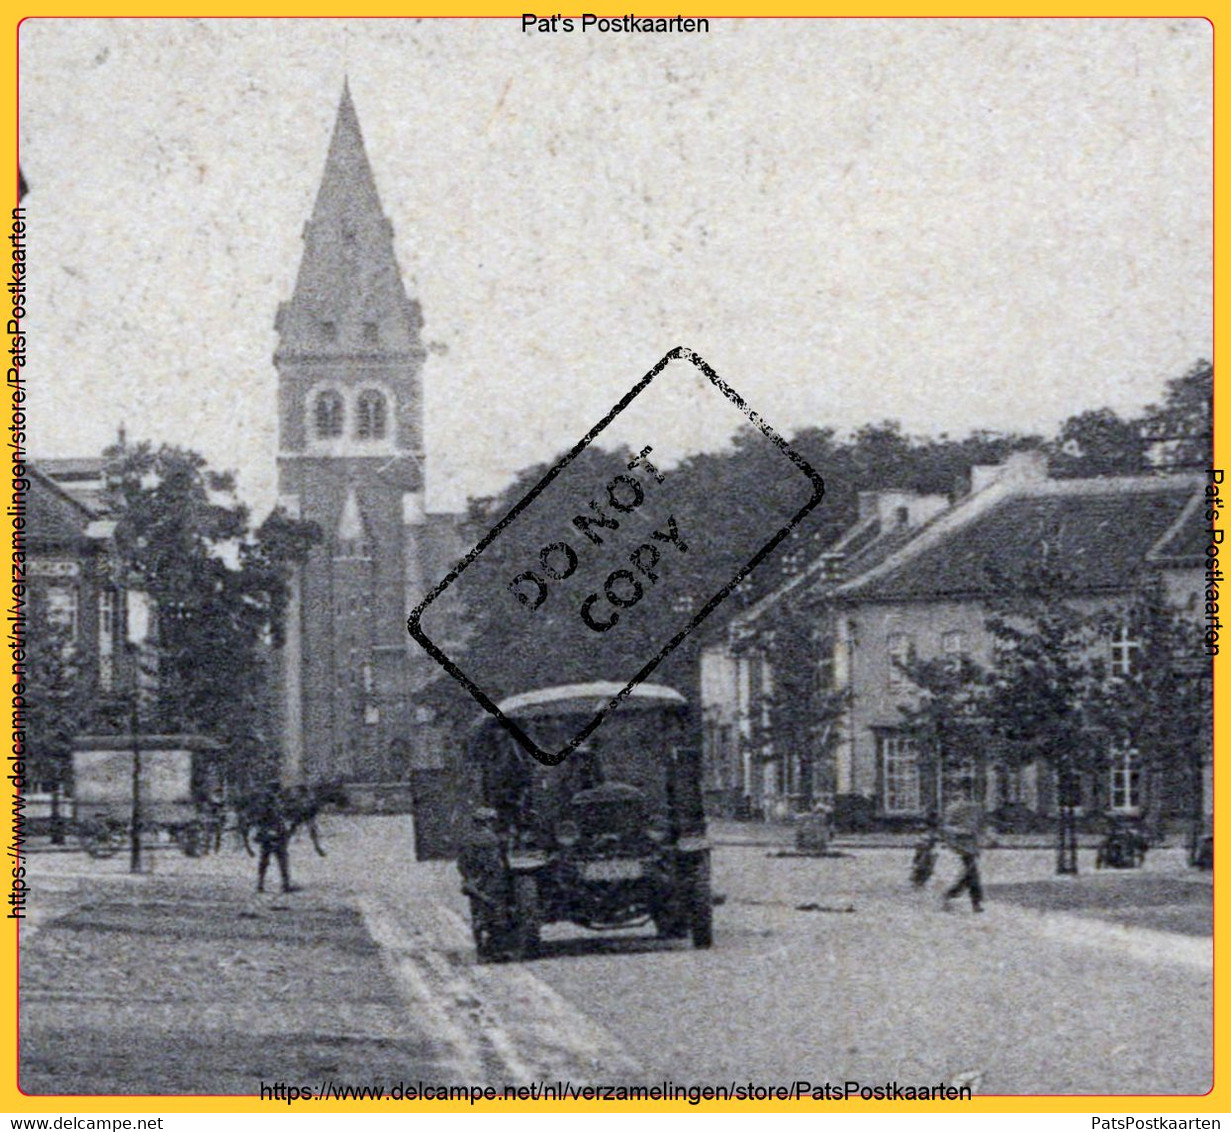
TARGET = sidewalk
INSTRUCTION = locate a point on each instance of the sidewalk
(1166, 895)
(166, 985)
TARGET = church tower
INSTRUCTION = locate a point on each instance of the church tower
(350, 459)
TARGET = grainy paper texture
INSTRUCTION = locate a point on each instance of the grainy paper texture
(388, 272)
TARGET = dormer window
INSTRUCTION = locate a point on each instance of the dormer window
(328, 413)
(370, 419)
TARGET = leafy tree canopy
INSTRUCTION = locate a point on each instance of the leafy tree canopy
(219, 591)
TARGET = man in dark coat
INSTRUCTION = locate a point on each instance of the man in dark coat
(273, 835)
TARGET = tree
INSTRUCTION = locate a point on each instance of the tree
(1182, 427)
(219, 592)
(797, 719)
(1045, 684)
(565, 651)
(948, 722)
(1099, 442)
(1158, 702)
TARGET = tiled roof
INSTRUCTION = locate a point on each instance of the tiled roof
(814, 574)
(53, 516)
(80, 477)
(860, 548)
(1184, 544)
(1098, 532)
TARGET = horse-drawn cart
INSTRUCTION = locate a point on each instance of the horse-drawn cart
(179, 778)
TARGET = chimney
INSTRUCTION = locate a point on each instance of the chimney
(896, 508)
(1029, 466)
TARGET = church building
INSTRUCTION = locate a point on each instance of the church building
(351, 459)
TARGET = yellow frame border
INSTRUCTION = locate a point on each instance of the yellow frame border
(1218, 14)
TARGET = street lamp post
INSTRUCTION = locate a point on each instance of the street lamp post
(136, 629)
(134, 722)
(1066, 842)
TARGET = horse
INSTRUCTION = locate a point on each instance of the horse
(299, 806)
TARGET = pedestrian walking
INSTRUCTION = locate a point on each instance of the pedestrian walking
(962, 832)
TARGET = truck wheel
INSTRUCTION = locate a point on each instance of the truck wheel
(669, 924)
(524, 941)
(701, 904)
(671, 905)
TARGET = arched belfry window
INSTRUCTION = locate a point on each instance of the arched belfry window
(328, 412)
(371, 415)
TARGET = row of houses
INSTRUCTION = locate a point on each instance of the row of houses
(806, 699)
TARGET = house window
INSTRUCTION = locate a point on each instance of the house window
(1125, 780)
(370, 422)
(899, 650)
(329, 413)
(962, 780)
(62, 609)
(953, 653)
(899, 774)
(106, 639)
(1009, 785)
(1125, 651)
(371, 334)
(329, 331)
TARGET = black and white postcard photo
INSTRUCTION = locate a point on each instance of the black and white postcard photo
(617, 560)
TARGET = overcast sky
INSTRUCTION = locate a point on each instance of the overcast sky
(956, 224)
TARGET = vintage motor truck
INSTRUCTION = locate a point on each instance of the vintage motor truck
(612, 837)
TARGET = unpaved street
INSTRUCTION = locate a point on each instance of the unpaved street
(827, 969)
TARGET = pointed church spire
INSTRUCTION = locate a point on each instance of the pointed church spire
(348, 182)
(349, 295)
